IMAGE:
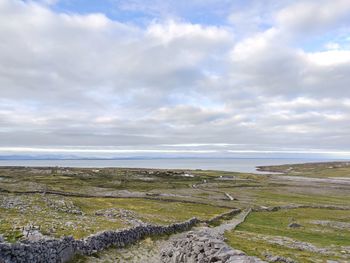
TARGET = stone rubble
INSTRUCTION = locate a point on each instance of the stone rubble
(64, 206)
(32, 233)
(208, 245)
(127, 216)
(204, 247)
(14, 202)
(279, 259)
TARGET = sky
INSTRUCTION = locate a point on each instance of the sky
(175, 78)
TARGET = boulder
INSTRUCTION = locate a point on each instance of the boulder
(294, 225)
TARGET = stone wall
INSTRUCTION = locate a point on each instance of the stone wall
(294, 206)
(233, 212)
(62, 250)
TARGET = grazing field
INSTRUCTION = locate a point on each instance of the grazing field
(303, 234)
(300, 215)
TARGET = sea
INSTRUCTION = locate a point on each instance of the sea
(244, 165)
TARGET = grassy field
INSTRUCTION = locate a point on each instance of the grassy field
(263, 233)
(152, 211)
(34, 210)
(54, 202)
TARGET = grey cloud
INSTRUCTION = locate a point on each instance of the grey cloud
(309, 17)
(85, 80)
(265, 64)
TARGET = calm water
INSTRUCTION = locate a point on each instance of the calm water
(237, 165)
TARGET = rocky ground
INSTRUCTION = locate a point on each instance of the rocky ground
(41, 203)
(202, 244)
(127, 216)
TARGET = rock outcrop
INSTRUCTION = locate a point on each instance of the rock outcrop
(207, 245)
(204, 247)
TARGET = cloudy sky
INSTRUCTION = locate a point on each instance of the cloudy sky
(160, 77)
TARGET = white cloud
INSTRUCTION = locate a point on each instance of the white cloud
(332, 46)
(330, 58)
(172, 31)
(254, 45)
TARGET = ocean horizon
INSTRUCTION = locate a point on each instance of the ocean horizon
(244, 165)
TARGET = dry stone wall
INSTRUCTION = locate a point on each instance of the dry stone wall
(62, 250)
(294, 206)
(222, 216)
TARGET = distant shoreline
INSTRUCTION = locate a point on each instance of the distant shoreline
(243, 165)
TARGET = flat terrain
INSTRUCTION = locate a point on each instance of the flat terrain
(300, 215)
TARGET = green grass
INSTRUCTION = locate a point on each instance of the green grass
(84, 181)
(242, 240)
(51, 222)
(88, 182)
(56, 223)
(250, 190)
(276, 224)
(276, 196)
(151, 210)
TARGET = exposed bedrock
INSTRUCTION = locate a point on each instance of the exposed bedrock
(207, 245)
(204, 247)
